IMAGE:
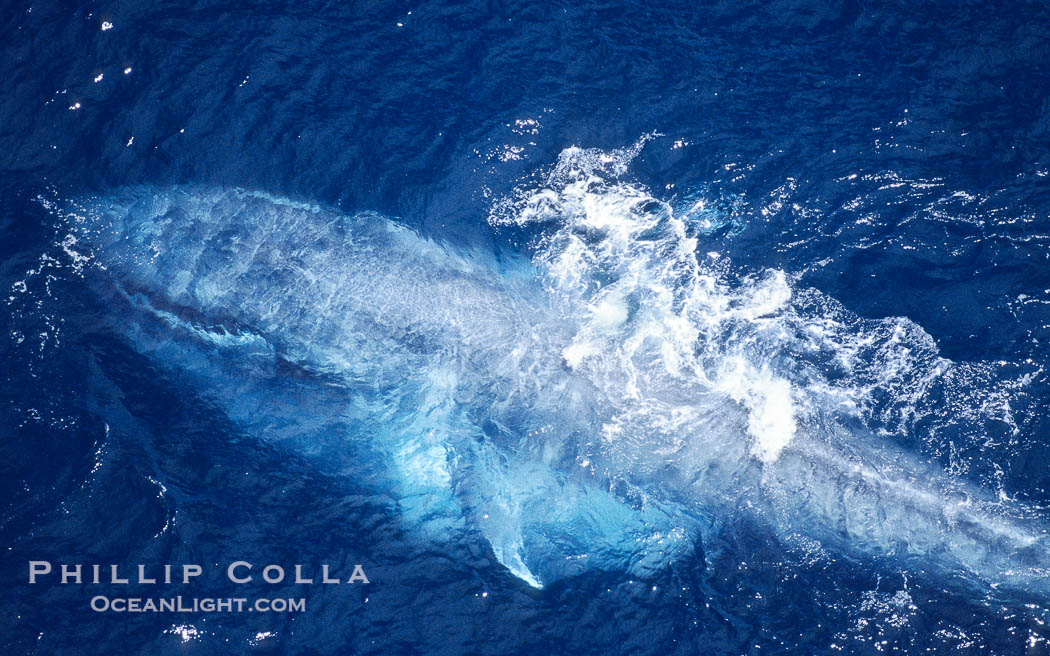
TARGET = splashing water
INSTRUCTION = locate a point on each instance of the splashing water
(743, 390)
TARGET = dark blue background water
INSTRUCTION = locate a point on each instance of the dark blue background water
(893, 155)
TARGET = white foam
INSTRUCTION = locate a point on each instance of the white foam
(702, 368)
(771, 411)
(648, 312)
(657, 315)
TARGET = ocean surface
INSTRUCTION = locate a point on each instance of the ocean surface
(584, 328)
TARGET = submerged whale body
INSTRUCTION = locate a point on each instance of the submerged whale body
(600, 406)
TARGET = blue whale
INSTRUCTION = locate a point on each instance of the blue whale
(603, 403)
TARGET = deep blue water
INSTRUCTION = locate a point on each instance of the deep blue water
(889, 162)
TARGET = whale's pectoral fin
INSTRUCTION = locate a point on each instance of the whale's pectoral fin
(508, 548)
(545, 526)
